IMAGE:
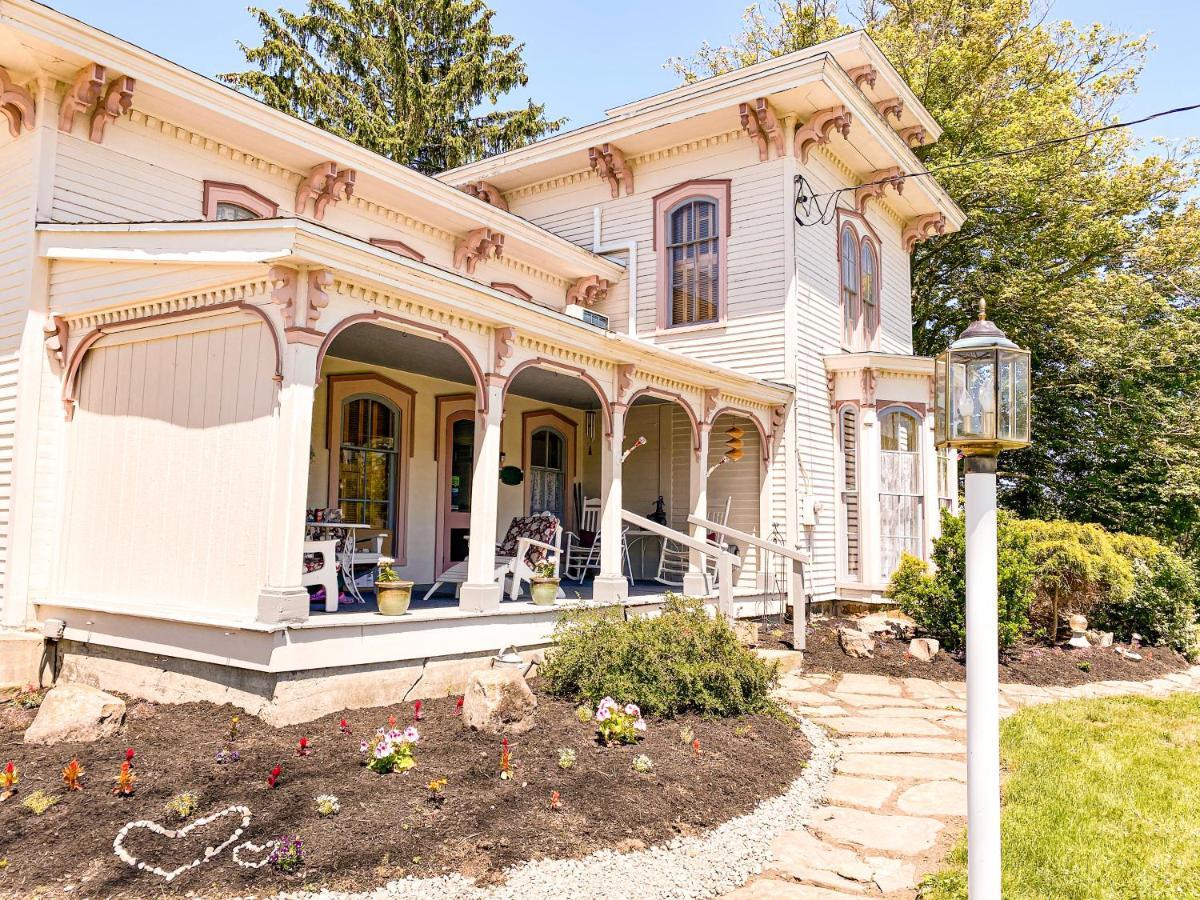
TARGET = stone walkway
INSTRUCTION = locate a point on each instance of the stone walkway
(898, 800)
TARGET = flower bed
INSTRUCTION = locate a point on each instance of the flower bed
(451, 812)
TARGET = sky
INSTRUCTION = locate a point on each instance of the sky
(584, 57)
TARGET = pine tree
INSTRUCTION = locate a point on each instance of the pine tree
(404, 78)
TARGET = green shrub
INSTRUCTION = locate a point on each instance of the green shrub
(937, 600)
(683, 660)
(1163, 602)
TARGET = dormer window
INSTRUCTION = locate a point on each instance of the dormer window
(225, 202)
(691, 231)
(858, 261)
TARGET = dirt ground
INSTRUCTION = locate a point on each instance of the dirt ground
(389, 825)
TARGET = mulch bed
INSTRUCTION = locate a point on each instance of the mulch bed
(1037, 664)
(388, 826)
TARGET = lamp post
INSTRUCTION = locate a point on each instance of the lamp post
(982, 407)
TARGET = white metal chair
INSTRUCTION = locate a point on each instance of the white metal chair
(582, 550)
(324, 572)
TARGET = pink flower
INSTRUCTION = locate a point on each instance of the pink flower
(603, 714)
(631, 709)
(411, 735)
(362, 746)
(639, 725)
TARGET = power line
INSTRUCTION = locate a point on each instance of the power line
(808, 199)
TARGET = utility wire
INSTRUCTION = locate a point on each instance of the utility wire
(805, 197)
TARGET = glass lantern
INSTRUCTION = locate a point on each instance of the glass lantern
(982, 386)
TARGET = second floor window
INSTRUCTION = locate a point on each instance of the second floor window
(695, 263)
(859, 278)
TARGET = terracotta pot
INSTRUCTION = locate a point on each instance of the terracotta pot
(393, 597)
(544, 590)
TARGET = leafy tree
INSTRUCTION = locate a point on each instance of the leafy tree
(404, 78)
(1088, 251)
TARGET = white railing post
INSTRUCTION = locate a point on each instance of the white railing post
(610, 583)
(482, 591)
(695, 582)
(725, 586)
(799, 603)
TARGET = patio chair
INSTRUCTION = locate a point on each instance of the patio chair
(582, 550)
(529, 541)
(321, 568)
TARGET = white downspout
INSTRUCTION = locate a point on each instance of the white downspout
(627, 247)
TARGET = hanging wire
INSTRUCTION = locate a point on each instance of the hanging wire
(808, 201)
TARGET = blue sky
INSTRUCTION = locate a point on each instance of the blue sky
(585, 56)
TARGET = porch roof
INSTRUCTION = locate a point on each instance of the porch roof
(291, 241)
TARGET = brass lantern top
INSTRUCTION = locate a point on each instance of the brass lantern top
(982, 392)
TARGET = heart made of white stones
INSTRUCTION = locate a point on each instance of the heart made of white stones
(209, 852)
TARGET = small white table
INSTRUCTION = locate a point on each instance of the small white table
(347, 556)
(639, 537)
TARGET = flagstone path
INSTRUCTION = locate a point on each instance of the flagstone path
(898, 800)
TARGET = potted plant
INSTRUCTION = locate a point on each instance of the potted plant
(392, 592)
(544, 583)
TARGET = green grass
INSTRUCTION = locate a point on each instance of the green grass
(1101, 800)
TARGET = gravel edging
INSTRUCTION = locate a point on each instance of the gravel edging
(689, 868)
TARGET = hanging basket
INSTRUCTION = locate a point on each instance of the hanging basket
(511, 475)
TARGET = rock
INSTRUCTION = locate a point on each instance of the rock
(924, 649)
(747, 633)
(76, 712)
(907, 835)
(894, 623)
(1100, 638)
(498, 701)
(935, 798)
(856, 643)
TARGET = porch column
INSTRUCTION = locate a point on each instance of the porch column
(930, 467)
(482, 590)
(695, 582)
(283, 599)
(611, 584)
(870, 540)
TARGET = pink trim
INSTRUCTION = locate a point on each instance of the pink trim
(588, 290)
(82, 93)
(216, 192)
(398, 247)
(868, 236)
(441, 549)
(118, 100)
(71, 375)
(487, 192)
(283, 293)
(761, 124)
(503, 339)
(914, 135)
(891, 107)
(548, 418)
(477, 246)
(339, 187)
(512, 290)
(609, 163)
(313, 184)
(575, 371)
(409, 325)
(16, 104)
(763, 432)
(57, 336)
(863, 75)
(339, 389)
(876, 183)
(678, 400)
(921, 229)
(718, 190)
(440, 401)
(820, 127)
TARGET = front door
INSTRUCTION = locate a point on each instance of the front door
(458, 465)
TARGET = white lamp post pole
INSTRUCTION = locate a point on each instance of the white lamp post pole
(983, 682)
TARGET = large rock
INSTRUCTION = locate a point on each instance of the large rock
(924, 649)
(856, 643)
(892, 622)
(498, 701)
(76, 712)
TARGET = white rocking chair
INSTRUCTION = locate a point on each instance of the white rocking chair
(326, 574)
(519, 568)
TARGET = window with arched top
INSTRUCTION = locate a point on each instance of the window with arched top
(691, 231)
(548, 472)
(226, 202)
(851, 287)
(367, 463)
(869, 272)
(860, 283)
(900, 497)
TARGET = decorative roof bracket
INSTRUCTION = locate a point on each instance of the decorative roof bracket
(820, 128)
(16, 105)
(863, 75)
(914, 135)
(487, 192)
(923, 228)
(82, 93)
(588, 290)
(610, 164)
(117, 99)
(760, 122)
(893, 107)
(877, 182)
(339, 187)
(313, 184)
(478, 245)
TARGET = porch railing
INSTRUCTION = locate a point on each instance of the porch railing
(726, 561)
(796, 592)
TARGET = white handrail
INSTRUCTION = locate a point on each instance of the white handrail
(796, 595)
(726, 561)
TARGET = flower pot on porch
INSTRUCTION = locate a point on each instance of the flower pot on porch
(393, 597)
(544, 590)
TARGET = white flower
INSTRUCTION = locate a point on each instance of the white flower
(411, 735)
(602, 714)
(386, 561)
(631, 709)
(639, 725)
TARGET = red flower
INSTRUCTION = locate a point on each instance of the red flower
(129, 755)
(344, 726)
(275, 773)
(417, 710)
(458, 706)
(392, 722)
(303, 749)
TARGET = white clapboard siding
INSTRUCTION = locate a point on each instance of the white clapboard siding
(16, 246)
(169, 456)
(739, 480)
(91, 285)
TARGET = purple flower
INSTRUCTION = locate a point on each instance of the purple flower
(411, 735)
(362, 746)
(602, 714)
(639, 725)
(631, 709)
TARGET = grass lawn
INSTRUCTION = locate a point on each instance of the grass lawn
(1101, 800)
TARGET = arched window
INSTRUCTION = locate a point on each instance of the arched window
(367, 464)
(694, 249)
(851, 287)
(548, 472)
(900, 498)
(848, 488)
(225, 202)
(870, 295)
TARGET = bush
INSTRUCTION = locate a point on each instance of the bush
(1164, 600)
(937, 601)
(682, 660)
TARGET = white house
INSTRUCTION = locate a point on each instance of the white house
(218, 321)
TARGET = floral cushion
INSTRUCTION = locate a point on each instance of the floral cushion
(324, 532)
(541, 527)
